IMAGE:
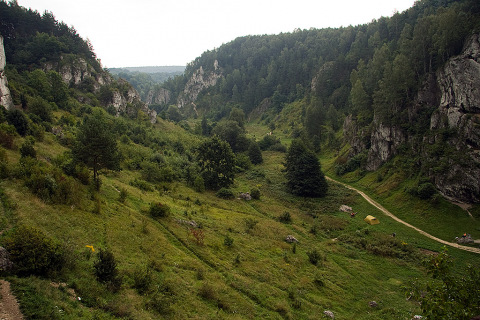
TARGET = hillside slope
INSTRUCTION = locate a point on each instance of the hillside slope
(144, 239)
(404, 85)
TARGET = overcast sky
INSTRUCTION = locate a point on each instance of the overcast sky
(127, 33)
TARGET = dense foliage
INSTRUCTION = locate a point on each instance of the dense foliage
(217, 163)
(304, 176)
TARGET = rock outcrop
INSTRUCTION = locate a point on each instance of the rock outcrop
(158, 96)
(453, 93)
(75, 71)
(384, 142)
(5, 97)
(199, 81)
(459, 112)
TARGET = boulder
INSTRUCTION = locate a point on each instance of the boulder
(5, 263)
(290, 239)
(329, 314)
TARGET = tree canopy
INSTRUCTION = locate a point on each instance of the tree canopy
(303, 172)
(217, 163)
(96, 145)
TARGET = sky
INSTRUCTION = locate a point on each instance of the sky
(130, 33)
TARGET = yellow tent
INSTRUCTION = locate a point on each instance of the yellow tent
(371, 220)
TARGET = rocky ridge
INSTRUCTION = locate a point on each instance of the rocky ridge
(5, 98)
(199, 81)
(454, 92)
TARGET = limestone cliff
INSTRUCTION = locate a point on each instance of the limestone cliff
(5, 98)
(450, 149)
(75, 71)
(459, 112)
(158, 95)
(199, 81)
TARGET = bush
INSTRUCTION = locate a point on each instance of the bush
(314, 256)
(141, 184)
(255, 193)
(32, 252)
(106, 269)
(285, 217)
(199, 184)
(225, 193)
(278, 147)
(7, 135)
(243, 162)
(142, 280)
(27, 150)
(159, 210)
(426, 190)
(123, 195)
(228, 241)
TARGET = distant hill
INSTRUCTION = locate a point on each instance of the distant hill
(147, 79)
(149, 69)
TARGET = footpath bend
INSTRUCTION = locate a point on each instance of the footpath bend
(391, 215)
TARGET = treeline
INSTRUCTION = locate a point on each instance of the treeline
(32, 39)
(378, 64)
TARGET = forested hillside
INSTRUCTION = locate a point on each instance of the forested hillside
(219, 208)
(382, 84)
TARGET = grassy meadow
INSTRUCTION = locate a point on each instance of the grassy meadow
(235, 262)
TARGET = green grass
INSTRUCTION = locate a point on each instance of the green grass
(258, 276)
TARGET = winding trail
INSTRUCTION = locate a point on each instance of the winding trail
(9, 308)
(388, 213)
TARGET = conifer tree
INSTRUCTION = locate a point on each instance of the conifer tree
(303, 172)
(96, 145)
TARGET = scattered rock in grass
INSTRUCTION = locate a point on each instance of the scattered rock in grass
(5, 263)
(191, 223)
(290, 239)
(417, 317)
(329, 314)
(245, 196)
(373, 304)
(345, 208)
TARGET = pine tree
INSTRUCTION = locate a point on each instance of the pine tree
(303, 172)
(96, 145)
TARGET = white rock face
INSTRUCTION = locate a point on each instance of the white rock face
(200, 80)
(158, 96)
(5, 97)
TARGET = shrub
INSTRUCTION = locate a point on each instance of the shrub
(4, 170)
(27, 150)
(255, 193)
(159, 210)
(106, 269)
(314, 256)
(225, 193)
(242, 161)
(285, 217)
(19, 120)
(250, 223)
(141, 184)
(228, 241)
(123, 195)
(426, 190)
(278, 147)
(142, 279)
(7, 135)
(32, 252)
(199, 184)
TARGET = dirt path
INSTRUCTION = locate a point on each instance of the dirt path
(9, 308)
(388, 213)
